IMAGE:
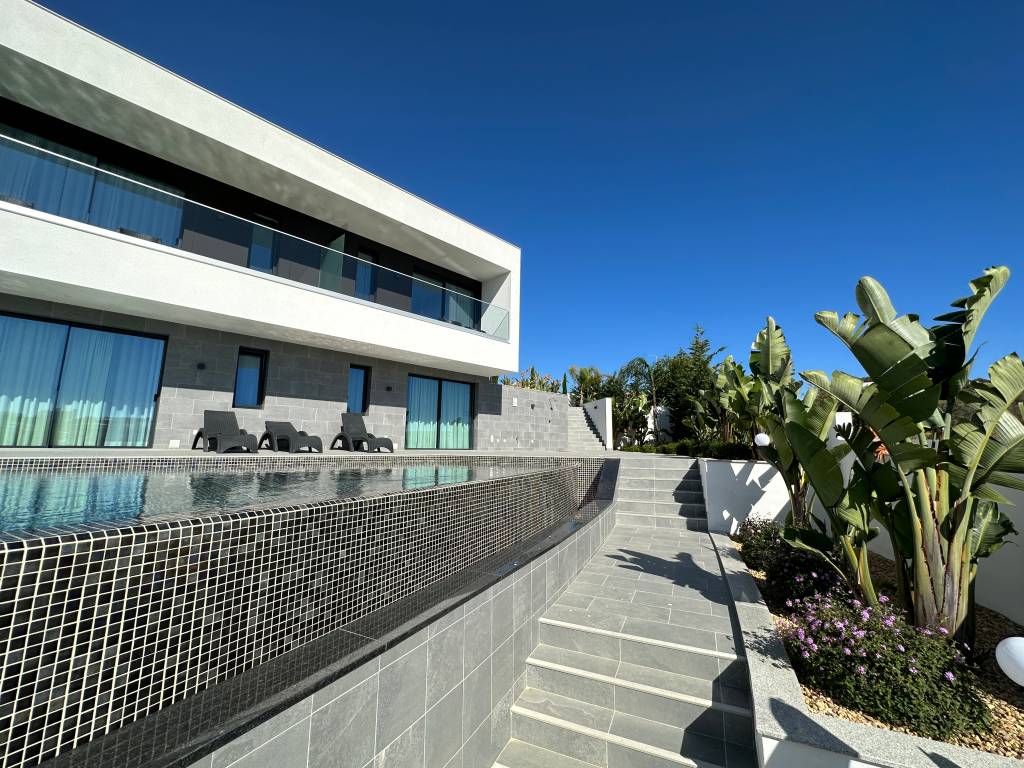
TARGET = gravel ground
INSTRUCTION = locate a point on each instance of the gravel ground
(1004, 698)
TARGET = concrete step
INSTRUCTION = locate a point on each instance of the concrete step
(696, 524)
(595, 680)
(602, 737)
(647, 484)
(520, 754)
(667, 508)
(666, 496)
(639, 643)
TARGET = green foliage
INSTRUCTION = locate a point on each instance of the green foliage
(587, 384)
(530, 379)
(565, 384)
(761, 543)
(869, 659)
(932, 449)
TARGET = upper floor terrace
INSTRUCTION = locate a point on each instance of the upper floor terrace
(171, 203)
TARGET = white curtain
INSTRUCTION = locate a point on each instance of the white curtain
(455, 415)
(421, 416)
(30, 357)
(107, 389)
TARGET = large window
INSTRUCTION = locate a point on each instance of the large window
(250, 378)
(439, 414)
(71, 386)
(358, 388)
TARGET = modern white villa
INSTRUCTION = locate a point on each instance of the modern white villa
(166, 251)
(381, 557)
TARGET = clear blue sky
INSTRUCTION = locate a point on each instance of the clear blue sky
(659, 165)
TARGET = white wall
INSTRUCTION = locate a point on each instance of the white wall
(54, 259)
(736, 490)
(600, 412)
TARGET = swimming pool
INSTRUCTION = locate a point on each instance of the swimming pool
(33, 500)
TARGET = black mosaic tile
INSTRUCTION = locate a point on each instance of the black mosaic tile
(105, 625)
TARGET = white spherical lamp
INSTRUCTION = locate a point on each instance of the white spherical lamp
(761, 440)
(1010, 657)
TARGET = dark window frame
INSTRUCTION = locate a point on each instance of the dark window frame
(110, 329)
(367, 371)
(261, 389)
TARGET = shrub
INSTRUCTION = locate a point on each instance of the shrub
(873, 661)
(797, 574)
(761, 542)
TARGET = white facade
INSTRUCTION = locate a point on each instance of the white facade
(61, 69)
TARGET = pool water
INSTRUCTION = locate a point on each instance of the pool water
(31, 500)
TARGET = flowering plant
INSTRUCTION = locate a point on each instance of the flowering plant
(761, 542)
(871, 659)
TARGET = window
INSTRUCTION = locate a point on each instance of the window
(358, 388)
(261, 249)
(68, 385)
(427, 296)
(250, 378)
(366, 277)
(439, 415)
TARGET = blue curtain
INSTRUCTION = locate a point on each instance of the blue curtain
(124, 206)
(107, 389)
(421, 416)
(427, 300)
(30, 357)
(356, 389)
(460, 308)
(44, 182)
(455, 415)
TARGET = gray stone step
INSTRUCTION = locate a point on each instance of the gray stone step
(690, 652)
(520, 754)
(602, 737)
(666, 496)
(595, 680)
(697, 524)
(647, 484)
(667, 508)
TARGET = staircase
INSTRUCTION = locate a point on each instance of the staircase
(583, 438)
(637, 664)
(660, 492)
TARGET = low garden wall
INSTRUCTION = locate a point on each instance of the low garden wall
(786, 734)
(736, 490)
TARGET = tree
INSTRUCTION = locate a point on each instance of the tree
(587, 383)
(686, 377)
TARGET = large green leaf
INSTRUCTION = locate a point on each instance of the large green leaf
(959, 327)
(874, 301)
(845, 328)
(770, 355)
(819, 463)
(991, 440)
(989, 530)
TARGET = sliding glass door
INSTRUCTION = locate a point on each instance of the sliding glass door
(69, 386)
(439, 414)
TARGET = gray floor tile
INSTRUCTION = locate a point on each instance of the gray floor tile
(402, 696)
(342, 733)
(443, 730)
(589, 749)
(406, 751)
(444, 661)
(286, 750)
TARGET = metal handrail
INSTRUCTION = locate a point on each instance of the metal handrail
(483, 304)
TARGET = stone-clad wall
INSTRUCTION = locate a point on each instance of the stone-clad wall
(308, 386)
(512, 419)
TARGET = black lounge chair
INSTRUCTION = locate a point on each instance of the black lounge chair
(282, 436)
(220, 433)
(353, 433)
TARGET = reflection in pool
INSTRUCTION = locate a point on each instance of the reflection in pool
(40, 499)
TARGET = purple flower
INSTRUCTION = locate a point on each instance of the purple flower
(865, 615)
(859, 634)
(883, 599)
(861, 670)
(913, 670)
(789, 603)
(900, 648)
(856, 603)
(943, 631)
(847, 651)
(949, 676)
(888, 621)
(806, 654)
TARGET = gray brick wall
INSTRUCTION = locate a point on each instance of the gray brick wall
(308, 386)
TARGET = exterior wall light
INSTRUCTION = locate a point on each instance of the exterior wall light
(1010, 657)
(761, 440)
